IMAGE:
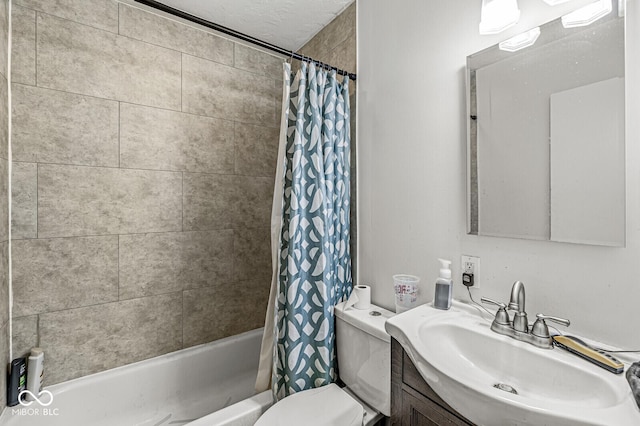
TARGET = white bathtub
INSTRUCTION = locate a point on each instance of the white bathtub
(179, 388)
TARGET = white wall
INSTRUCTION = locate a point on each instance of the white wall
(412, 165)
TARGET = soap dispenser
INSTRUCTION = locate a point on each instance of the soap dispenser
(444, 286)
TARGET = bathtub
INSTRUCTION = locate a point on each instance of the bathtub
(207, 385)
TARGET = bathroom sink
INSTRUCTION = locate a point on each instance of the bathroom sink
(475, 370)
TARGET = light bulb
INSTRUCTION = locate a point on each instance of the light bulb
(498, 15)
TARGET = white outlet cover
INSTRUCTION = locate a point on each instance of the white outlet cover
(476, 269)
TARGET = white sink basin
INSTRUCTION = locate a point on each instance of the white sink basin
(462, 360)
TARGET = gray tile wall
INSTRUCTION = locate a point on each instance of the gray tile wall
(4, 198)
(64, 128)
(23, 65)
(214, 90)
(75, 58)
(336, 44)
(144, 153)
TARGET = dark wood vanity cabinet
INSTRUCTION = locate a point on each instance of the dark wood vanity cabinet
(413, 402)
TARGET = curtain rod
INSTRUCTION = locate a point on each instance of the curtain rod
(244, 37)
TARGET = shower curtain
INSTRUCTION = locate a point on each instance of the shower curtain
(310, 233)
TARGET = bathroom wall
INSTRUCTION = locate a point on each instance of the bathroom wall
(144, 153)
(412, 168)
(336, 45)
(4, 196)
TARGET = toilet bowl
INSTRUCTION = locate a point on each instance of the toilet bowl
(364, 363)
(327, 405)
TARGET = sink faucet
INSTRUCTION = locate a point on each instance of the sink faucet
(518, 328)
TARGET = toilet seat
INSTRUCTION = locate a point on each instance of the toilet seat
(325, 406)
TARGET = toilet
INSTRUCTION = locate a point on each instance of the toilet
(364, 365)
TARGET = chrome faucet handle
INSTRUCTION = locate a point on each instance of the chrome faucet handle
(562, 321)
(540, 328)
(502, 317)
(493, 302)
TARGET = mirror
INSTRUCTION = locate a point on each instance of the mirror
(546, 149)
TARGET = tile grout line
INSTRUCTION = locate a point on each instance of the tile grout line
(37, 201)
(133, 169)
(192, 231)
(37, 330)
(9, 349)
(119, 132)
(233, 253)
(235, 149)
(36, 49)
(62, 18)
(110, 302)
(118, 269)
(233, 120)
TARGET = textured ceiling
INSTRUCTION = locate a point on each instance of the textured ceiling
(285, 23)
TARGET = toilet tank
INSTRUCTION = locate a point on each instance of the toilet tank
(364, 354)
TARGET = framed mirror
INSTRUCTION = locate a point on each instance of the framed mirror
(546, 140)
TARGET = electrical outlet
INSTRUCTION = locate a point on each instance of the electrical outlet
(470, 266)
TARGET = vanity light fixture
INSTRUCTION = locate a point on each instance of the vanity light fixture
(525, 39)
(498, 15)
(588, 14)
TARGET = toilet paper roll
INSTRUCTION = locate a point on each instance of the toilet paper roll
(360, 298)
(364, 297)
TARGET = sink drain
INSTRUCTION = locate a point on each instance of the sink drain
(506, 388)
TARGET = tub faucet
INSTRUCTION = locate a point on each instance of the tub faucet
(516, 303)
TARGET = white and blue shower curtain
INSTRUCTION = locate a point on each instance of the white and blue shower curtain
(310, 233)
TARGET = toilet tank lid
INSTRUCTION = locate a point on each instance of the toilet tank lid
(365, 320)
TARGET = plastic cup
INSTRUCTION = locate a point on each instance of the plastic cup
(406, 290)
